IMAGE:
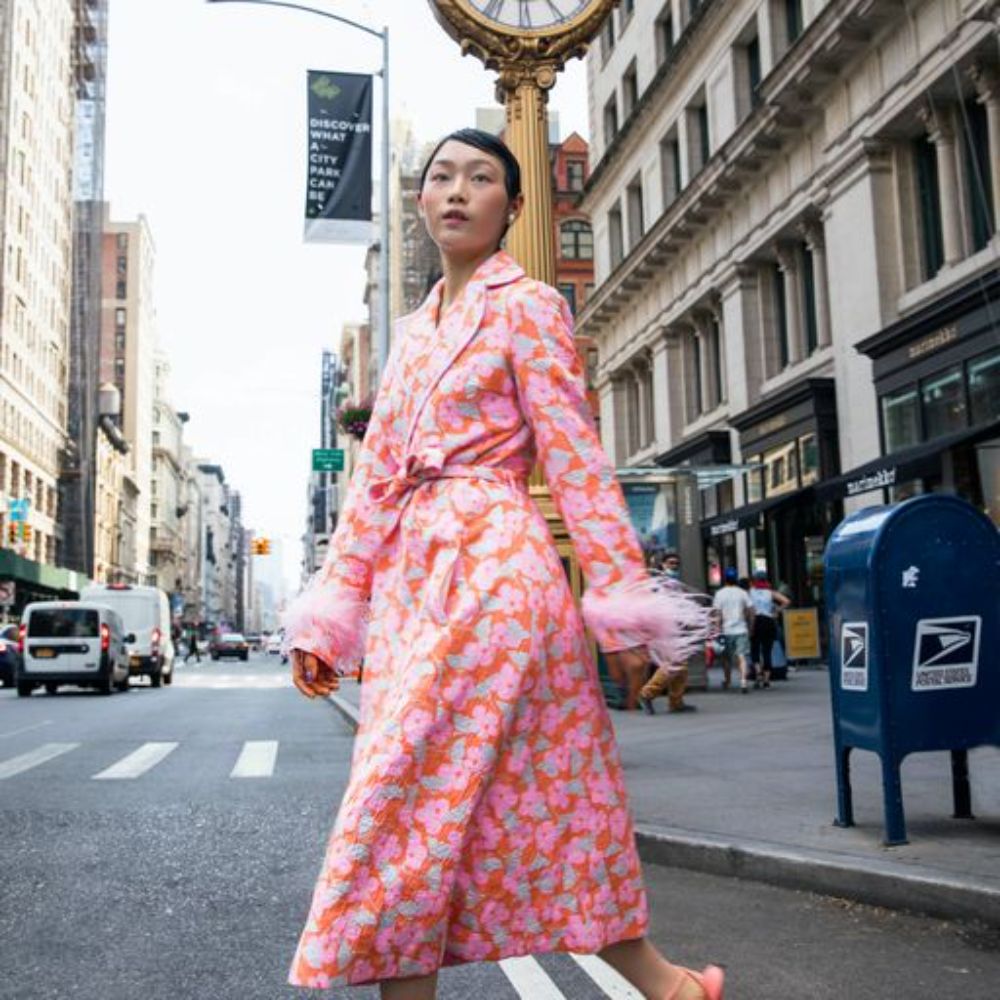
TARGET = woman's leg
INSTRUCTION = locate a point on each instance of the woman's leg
(418, 988)
(768, 633)
(649, 972)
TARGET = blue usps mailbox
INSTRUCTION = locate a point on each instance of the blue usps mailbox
(913, 604)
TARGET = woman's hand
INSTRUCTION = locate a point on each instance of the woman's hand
(312, 676)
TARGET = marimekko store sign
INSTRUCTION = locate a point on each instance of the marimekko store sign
(339, 195)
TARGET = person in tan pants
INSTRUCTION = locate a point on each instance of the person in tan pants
(672, 682)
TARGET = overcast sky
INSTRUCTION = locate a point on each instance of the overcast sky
(206, 138)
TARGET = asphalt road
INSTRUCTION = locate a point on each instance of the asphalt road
(136, 863)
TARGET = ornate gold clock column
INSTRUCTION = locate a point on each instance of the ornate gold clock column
(528, 43)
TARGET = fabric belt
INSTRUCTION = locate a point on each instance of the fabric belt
(428, 466)
(425, 467)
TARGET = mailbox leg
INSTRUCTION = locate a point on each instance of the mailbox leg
(845, 800)
(960, 784)
(892, 797)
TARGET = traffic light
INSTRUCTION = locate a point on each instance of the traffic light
(12, 533)
(265, 546)
(26, 531)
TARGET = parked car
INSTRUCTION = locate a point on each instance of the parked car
(146, 614)
(229, 644)
(72, 642)
(10, 658)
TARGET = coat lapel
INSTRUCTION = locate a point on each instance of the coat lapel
(458, 327)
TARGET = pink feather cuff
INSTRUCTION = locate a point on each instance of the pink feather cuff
(329, 621)
(673, 624)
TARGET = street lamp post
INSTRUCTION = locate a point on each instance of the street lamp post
(382, 342)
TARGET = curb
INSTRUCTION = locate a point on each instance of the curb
(914, 889)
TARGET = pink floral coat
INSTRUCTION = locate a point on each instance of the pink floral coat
(486, 813)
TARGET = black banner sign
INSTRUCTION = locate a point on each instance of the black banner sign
(339, 196)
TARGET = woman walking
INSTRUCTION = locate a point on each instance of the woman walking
(766, 602)
(486, 813)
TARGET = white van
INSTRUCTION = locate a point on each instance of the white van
(72, 642)
(146, 614)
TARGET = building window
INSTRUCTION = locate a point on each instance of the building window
(610, 120)
(119, 341)
(627, 10)
(664, 30)
(808, 459)
(698, 143)
(608, 37)
(715, 374)
(636, 221)
(984, 388)
(928, 207)
(944, 403)
(753, 70)
(576, 240)
(616, 242)
(121, 266)
(575, 174)
(630, 89)
(793, 20)
(568, 292)
(122, 241)
(670, 168)
(978, 174)
(781, 316)
(901, 419)
(811, 316)
(120, 319)
(121, 291)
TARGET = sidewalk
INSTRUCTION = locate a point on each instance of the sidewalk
(746, 787)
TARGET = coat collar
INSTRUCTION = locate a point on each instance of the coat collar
(462, 322)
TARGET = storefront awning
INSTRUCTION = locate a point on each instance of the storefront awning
(901, 466)
(37, 578)
(749, 515)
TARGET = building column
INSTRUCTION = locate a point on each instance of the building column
(788, 264)
(942, 135)
(703, 331)
(987, 84)
(740, 326)
(812, 233)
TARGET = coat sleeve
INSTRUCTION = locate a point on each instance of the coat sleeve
(329, 617)
(624, 606)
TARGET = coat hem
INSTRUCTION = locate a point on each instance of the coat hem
(451, 959)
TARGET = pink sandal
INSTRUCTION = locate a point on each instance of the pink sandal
(710, 980)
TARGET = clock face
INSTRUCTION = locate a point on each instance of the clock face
(531, 15)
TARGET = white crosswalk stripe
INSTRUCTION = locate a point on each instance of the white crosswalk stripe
(26, 761)
(232, 682)
(530, 980)
(138, 762)
(613, 984)
(256, 759)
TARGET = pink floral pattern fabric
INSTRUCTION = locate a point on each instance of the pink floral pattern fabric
(486, 813)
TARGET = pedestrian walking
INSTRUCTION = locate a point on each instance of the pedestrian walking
(734, 614)
(766, 604)
(192, 644)
(670, 679)
(486, 813)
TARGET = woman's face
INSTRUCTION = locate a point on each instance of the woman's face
(464, 201)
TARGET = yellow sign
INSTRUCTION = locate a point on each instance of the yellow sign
(801, 633)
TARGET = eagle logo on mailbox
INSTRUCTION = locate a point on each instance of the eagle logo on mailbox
(946, 653)
(854, 656)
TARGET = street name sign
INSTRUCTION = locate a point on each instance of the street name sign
(328, 460)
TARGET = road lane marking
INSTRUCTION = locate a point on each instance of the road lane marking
(256, 759)
(615, 986)
(26, 761)
(26, 729)
(530, 980)
(138, 762)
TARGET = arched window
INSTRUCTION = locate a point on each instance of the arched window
(576, 240)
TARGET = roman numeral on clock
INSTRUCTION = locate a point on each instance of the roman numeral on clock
(556, 11)
(525, 14)
(494, 9)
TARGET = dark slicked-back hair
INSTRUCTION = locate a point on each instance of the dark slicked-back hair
(488, 143)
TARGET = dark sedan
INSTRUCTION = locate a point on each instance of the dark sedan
(229, 644)
(10, 658)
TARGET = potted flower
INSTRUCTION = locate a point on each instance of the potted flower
(352, 418)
